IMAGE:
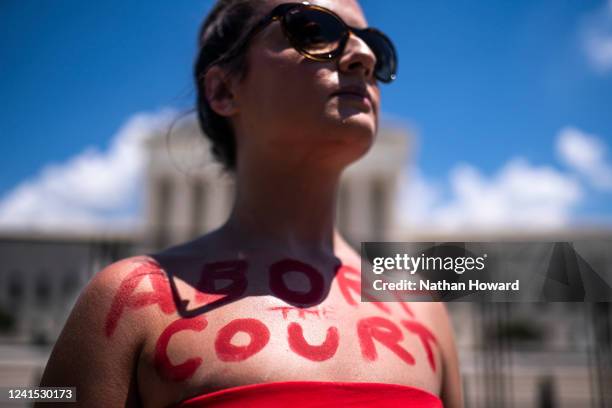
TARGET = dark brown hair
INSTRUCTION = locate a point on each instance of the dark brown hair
(221, 42)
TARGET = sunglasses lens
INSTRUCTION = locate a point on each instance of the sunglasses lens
(314, 32)
(386, 58)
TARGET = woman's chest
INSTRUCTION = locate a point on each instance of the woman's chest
(265, 339)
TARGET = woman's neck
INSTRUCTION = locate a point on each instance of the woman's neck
(287, 207)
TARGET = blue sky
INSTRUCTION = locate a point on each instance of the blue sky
(489, 88)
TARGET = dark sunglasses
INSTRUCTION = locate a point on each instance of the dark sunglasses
(321, 35)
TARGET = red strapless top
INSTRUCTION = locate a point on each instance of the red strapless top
(316, 394)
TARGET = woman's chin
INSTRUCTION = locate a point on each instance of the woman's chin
(354, 135)
(360, 126)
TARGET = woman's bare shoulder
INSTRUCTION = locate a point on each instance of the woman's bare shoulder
(103, 300)
(113, 274)
(436, 314)
(100, 340)
(441, 323)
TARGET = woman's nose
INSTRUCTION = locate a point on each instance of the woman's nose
(357, 58)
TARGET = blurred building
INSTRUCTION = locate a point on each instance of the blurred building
(41, 276)
(512, 355)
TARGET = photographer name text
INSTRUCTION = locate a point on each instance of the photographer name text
(443, 285)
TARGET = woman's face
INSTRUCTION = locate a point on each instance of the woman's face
(291, 107)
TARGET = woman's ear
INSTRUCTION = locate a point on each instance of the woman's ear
(220, 92)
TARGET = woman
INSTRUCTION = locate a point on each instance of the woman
(266, 309)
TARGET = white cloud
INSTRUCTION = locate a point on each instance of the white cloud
(586, 154)
(597, 38)
(94, 189)
(519, 195)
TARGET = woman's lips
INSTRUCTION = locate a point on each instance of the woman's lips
(354, 96)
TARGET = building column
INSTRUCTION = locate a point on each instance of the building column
(179, 214)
